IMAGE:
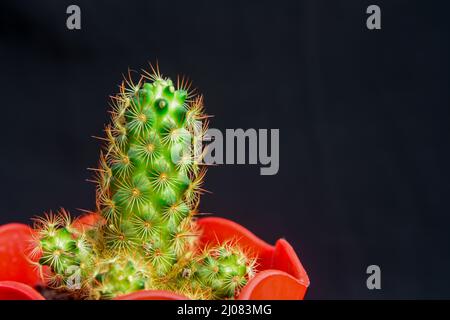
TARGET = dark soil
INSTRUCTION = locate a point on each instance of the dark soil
(55, 294)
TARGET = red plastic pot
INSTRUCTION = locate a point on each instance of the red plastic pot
(281, 276)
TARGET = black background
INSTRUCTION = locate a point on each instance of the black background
(363, 118)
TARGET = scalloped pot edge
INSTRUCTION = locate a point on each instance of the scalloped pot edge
(281, 275)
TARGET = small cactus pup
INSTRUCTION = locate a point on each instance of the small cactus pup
(65, 249)
(221, 271)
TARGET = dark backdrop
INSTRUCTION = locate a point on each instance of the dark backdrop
(363, 118)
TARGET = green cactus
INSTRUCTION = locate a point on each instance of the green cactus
(120, 275)
(224, 269)
(149, 182)
(65, 249)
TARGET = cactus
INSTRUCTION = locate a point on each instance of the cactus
(149, 183)
(120, 275)
(222, 269)
(62, 247)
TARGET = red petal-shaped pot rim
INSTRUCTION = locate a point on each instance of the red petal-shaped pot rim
(273, 285)
(15, 238)
(152, 295)
(218, 230)
(280, 272)
(13, 290)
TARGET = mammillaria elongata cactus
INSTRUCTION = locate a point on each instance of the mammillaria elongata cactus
(148, 189)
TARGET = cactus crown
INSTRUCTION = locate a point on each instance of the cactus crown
(149, 182)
